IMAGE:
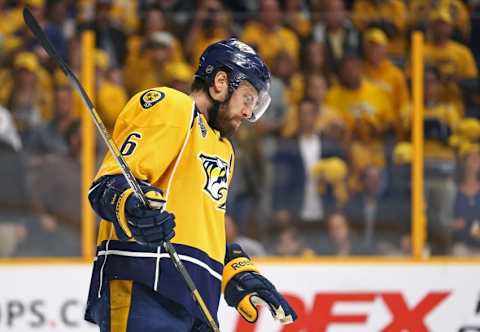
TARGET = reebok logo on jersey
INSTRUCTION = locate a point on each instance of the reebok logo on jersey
(216, 173)
(151, 97)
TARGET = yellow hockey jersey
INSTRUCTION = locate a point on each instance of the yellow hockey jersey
(167, 142)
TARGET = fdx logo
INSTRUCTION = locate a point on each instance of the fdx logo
(321, 316)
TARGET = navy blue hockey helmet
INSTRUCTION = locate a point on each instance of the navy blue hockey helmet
(242, 63)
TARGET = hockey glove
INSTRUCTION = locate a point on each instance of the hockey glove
(146, 225)
(115, 201)
(244, 288)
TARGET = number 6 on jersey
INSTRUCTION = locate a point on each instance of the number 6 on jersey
(130, 144)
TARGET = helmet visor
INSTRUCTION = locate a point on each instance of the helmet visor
(262, 102)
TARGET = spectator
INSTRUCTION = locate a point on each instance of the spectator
(211, 23)
(340, 241)
(311, 82)
(389, 16)
(268, 36)
(368, 210)
(58, 28)
(49, 138)
(246, 202)
(297, 18)
(458, 11)
(109, 36)
(455, 62)
(286, 90)
(384, 74)
(360, 103)
(56, 178)
(11, 18)
(52, 31)
(294, 188)
(22, 94)
(466, 225)
(367, 114)
(138, 55)
(333, 29)
(290, 243)
(441, 118)
(396, 205)
(251, 246)
(328, 121)
(314, 61)
(274, 118)
(150, 70)
(284, 68)
(154, 21)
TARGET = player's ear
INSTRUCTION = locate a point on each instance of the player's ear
(219, 88)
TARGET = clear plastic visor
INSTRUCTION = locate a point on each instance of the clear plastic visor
(261, 105)
(255, 101)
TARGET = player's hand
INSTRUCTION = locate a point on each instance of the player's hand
(245, 288)
(146, 225)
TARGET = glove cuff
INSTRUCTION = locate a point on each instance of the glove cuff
(120, 212)
(236, 266)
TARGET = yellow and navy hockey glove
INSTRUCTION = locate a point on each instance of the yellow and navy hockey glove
(244, 288)
(114, 200)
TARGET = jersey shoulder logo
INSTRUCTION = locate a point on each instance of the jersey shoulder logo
(151, 97)
(216, 173)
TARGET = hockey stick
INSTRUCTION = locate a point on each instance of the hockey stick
(35, 28)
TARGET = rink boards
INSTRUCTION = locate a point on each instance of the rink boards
(328, 296)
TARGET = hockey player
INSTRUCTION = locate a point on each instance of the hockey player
(176, 145)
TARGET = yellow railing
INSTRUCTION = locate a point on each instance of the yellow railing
(88, 143)
(418, 206)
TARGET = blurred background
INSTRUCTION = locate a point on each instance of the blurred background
(328, 168)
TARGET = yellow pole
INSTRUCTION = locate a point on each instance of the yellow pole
(418, 207)
(88, 143)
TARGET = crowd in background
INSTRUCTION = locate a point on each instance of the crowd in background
(326, 170)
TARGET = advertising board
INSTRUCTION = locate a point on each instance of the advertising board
(331, 298)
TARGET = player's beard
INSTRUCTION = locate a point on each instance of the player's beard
(220, 119)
